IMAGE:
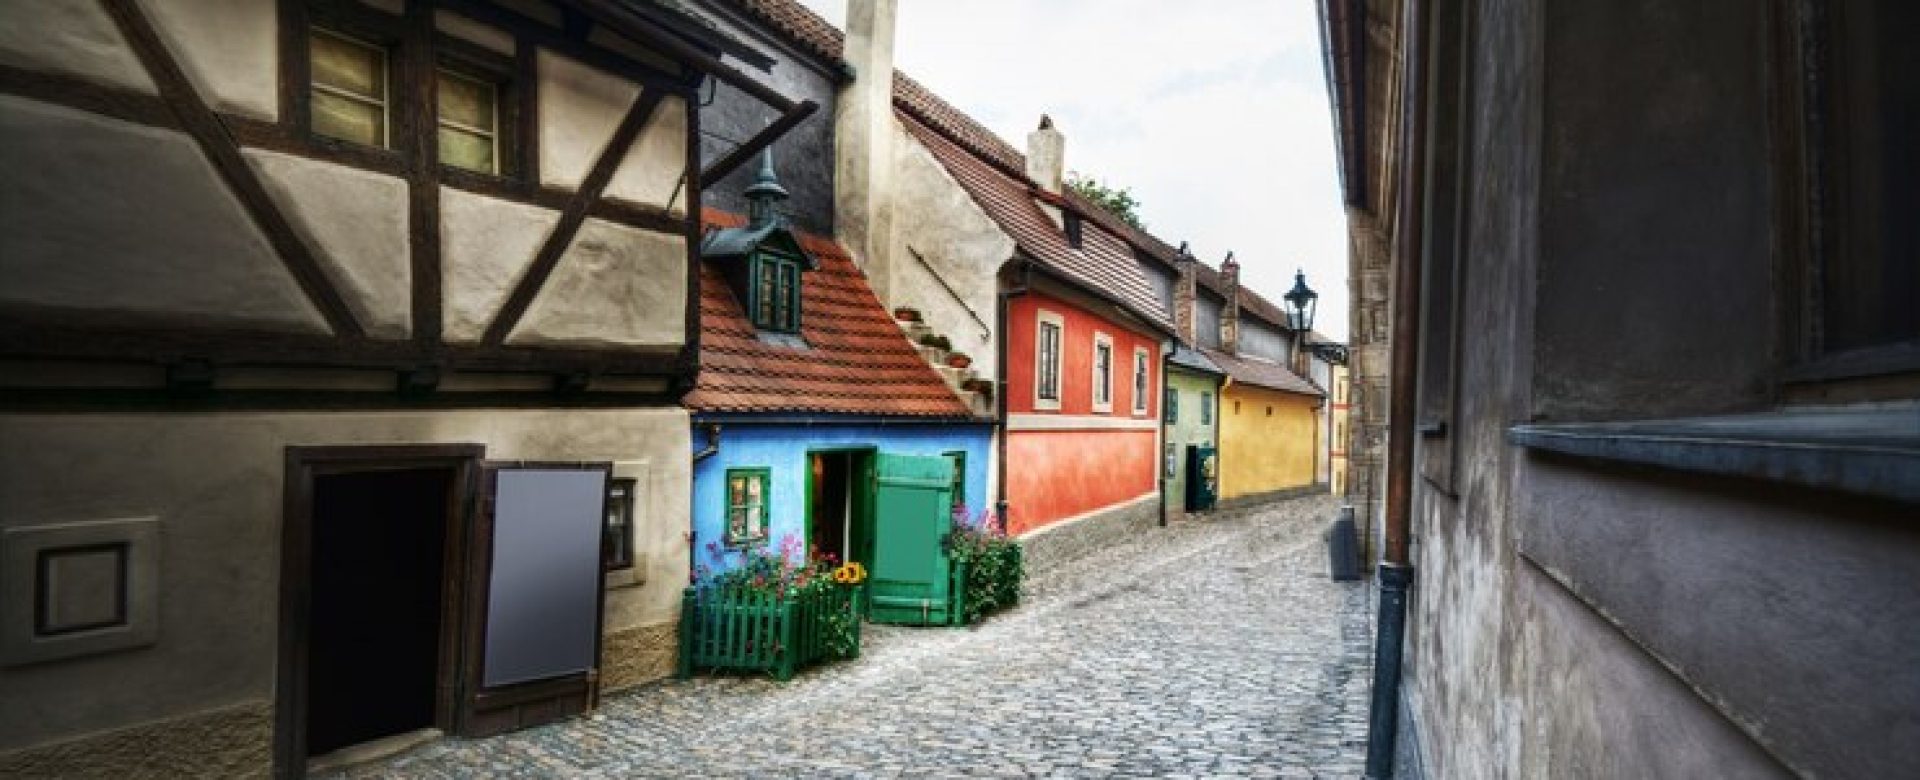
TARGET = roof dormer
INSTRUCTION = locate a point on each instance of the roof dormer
(763, 261)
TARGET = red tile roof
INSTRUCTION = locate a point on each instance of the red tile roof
(856, 360)
(1104, 264)
(1262, 373)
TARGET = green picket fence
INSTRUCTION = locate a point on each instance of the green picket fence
(742, 629)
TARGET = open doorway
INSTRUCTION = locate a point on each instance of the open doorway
(370, 597)
(837, 505)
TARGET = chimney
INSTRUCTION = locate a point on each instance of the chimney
(863, 142)
(1185, 290)
(1047, 156)
(1230, 311)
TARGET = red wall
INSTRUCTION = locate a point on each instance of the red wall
(1076, 372)
(1053, 475)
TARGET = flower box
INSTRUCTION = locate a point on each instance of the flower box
(746, 629)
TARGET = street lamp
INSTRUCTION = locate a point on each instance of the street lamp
(1301, 301)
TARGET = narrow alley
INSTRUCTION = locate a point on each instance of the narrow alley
(1211, 648)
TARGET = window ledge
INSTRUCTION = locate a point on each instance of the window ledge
(1870, 450)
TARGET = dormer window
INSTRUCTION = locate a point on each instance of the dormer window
(1071, 222)
(776, 292)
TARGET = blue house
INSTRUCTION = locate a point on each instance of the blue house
(818, 426)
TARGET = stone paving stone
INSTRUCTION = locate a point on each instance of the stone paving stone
(1212, 648)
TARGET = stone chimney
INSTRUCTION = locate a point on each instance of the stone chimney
(863, 142)
(1230, 311)
(1185, 290)
(1047, 156)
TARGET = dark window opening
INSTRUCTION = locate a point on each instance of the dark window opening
(616, 545)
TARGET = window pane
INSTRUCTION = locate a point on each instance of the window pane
(348, 120)
(462, 149)
(765, 293)
(467, 101)
(350, 66)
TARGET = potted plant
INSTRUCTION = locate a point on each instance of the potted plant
(906, 314)
(936, 341)
(959, 360)
(978, 385)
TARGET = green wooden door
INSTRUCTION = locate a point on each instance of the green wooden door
(912, 502)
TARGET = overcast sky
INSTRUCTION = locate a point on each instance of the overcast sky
(1214, 113)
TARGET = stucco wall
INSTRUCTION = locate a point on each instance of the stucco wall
(1260, 450)
(215, 481)
(1206, 318)
(1058, 475)
(1194, 390)
(1267, 341)
(783, 449)
(939, 221)
(1080, 325)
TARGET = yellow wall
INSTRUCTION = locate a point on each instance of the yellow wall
(1262, 452)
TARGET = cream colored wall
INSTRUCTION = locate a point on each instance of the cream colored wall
(71, 38)
(356, 222)
(216, 482)
(97, 213)
(614, 286)
(939, 220)
(650, 174)
(485, 245)
(228, 49)
(581, 106)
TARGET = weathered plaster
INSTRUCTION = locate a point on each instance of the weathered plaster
(1048, 548)
(580, 106)
(466, 29)
(356, 223)
(232, 741)
(965, 247)
(638, 655)
(229, 49)
(652, 172)
(485, 246)
(215, 481)
(615, 286)
(1194, 391)
(73, 38)
(1262, 452)
(863, 135)
(96, 213)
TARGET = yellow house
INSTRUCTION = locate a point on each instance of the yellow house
(1269, 427)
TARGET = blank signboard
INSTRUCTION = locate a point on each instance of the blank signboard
(543, 594)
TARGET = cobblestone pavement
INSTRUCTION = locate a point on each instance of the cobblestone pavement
(1212, 648)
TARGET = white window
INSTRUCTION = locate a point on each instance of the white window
(349, 98)
(469, 118)
(1141, 383)
(1102, 372)
(1046, 356)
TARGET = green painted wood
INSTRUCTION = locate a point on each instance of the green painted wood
(745, 630)
(910, 579)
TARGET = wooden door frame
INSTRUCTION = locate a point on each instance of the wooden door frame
(302, 465)
(854, 490)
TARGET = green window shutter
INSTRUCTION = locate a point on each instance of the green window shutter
(910, 575)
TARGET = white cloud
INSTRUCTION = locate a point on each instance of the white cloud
(1214, 113)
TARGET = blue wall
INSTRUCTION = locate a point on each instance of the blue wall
(782, 448)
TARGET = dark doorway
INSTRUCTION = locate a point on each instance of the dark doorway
(832, 509)
(378, 559)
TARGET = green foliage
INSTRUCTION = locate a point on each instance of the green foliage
(993, 561)
(936, 341)
(1118, 201)
(777, 574)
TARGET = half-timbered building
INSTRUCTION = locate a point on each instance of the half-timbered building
(341, 343)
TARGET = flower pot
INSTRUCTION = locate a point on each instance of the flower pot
(958, 360)
(906, 314)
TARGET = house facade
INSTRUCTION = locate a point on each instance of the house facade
(810, 407)
(341, 348)
(1190, 448)
(1655, 430)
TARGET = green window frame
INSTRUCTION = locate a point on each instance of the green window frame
(749, 499)
(959, 459)
(1206, 408)
(775, 292)
(1172, 405)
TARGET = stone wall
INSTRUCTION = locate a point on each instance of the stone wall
(1062, 542)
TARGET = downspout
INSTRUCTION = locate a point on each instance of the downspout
(1160, 458)
(1396, 567)
(712, 448)
(1000, 381)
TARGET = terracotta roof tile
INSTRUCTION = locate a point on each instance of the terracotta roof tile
(1262, 373)
(856, 360)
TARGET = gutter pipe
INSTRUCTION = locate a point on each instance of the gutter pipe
(1396, 568)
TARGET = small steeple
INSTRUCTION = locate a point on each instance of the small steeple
(764, 197)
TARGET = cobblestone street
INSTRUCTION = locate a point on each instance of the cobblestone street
(1212, 648)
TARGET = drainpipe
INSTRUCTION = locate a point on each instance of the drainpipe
(1000, 382)
(1396, 568)
(1160, 458)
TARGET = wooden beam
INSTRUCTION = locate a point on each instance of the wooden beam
(744, 152)
(204, 126)
(419, 109)
(625, 22)
(571, 218)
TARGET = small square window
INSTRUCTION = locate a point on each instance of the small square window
(776, 293)
(1047, 359)
(747, 498)
(1102, 372)
(1141, 379)
(1171, 405)
(349, 99)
